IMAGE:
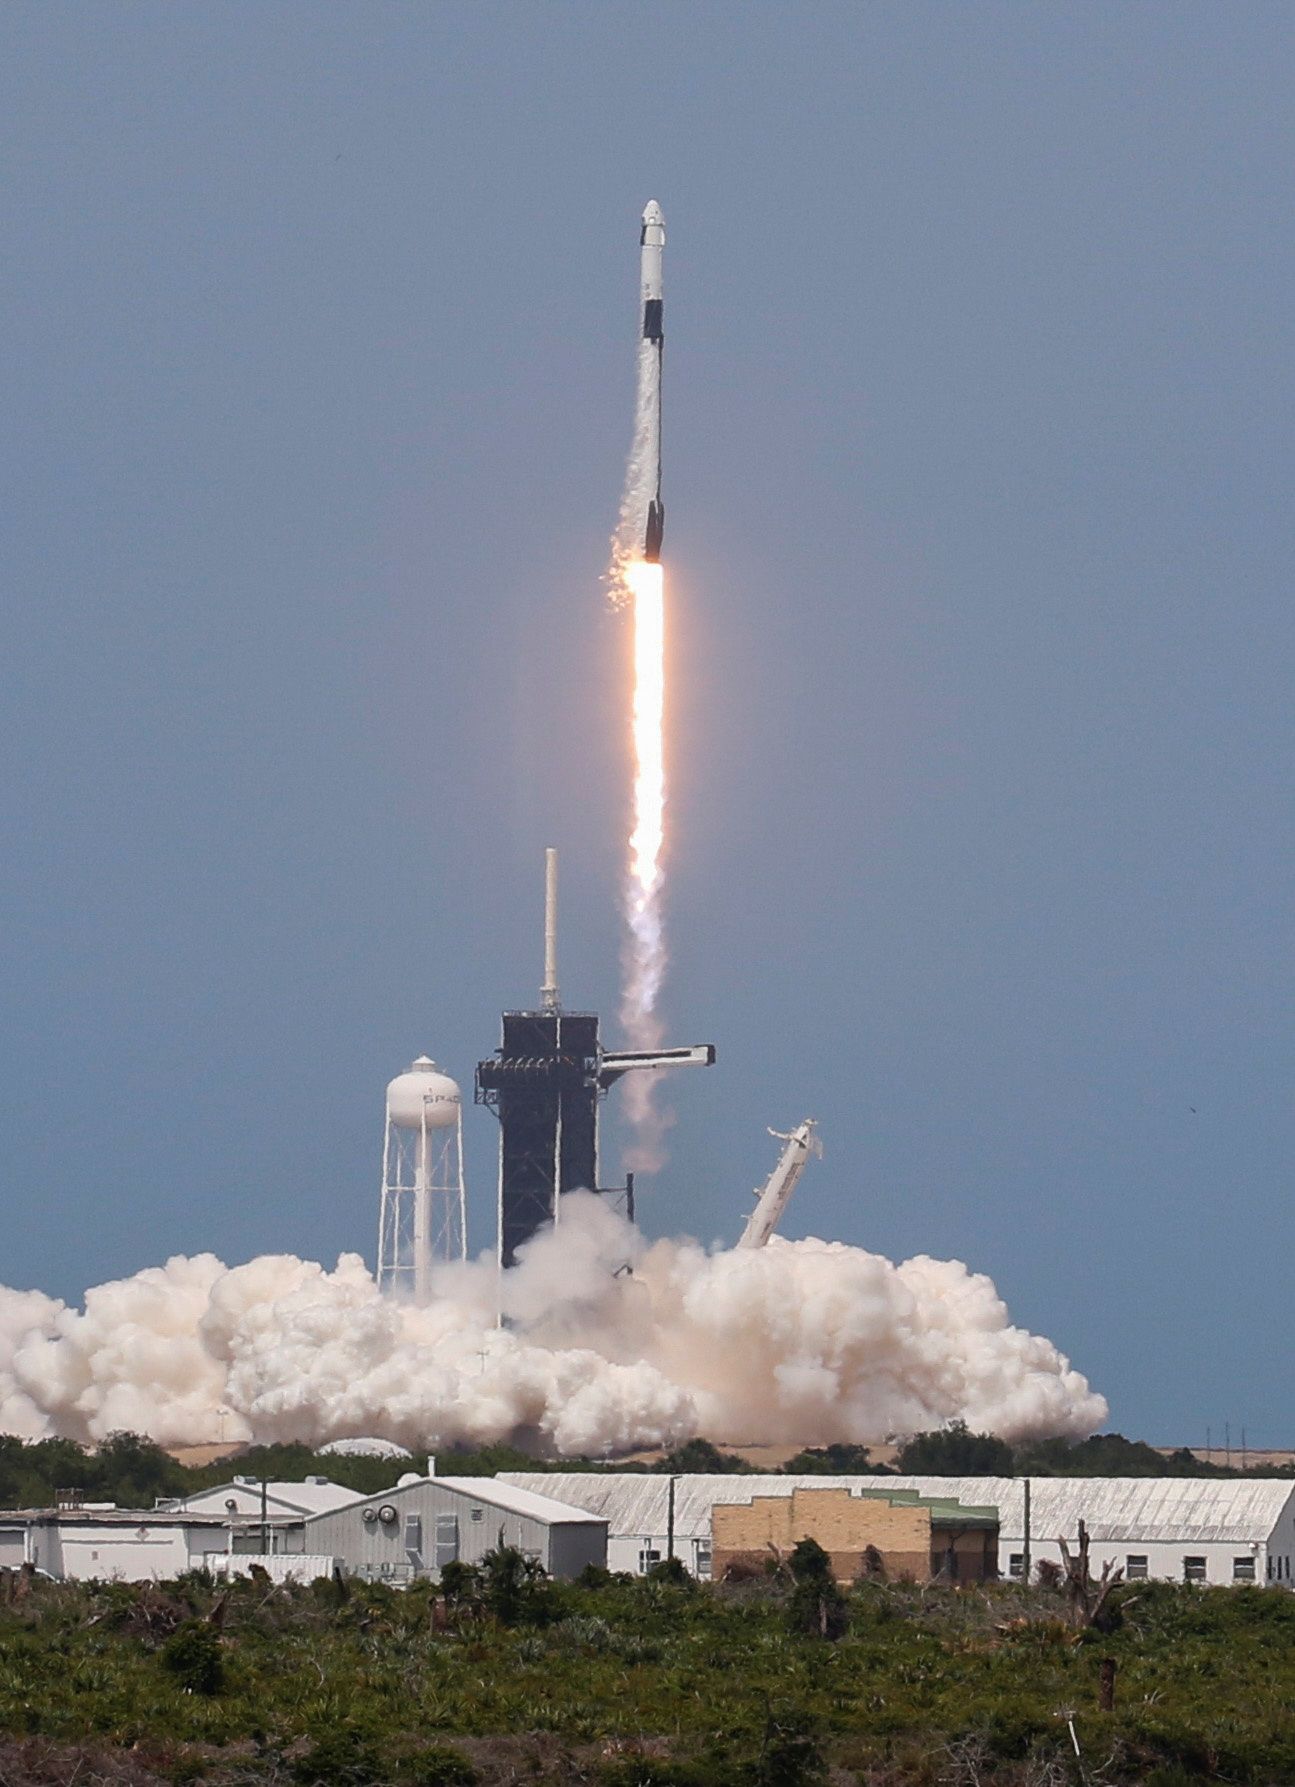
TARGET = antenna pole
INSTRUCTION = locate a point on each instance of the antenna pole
(549, 1000)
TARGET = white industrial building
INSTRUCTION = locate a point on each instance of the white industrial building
(249, 1495)
(128, 1544)
(424, 1523)
(405, 1532)
(1170, 1529)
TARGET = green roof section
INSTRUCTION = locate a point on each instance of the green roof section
(945, 1509)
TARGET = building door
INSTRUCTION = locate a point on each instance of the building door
(447, 1540)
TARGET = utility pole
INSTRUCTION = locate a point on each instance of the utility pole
(1025, 1555)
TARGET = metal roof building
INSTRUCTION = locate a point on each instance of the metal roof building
(1199, 1529)
(131, 1544)
(424, 1523)
(242, 1495)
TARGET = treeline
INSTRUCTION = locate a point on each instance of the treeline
(955, 1451)
(133, 1472)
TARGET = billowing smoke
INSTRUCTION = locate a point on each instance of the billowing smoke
(802, 1341)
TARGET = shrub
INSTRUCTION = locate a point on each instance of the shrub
(583, 1632)
(193, 1655)
(439, 1766)
(340, 1756)
(460, 1582)
(671, 1569)
(817, 1607)
(512, 1585)
(790, 1754)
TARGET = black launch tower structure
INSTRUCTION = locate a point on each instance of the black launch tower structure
(545, 1083)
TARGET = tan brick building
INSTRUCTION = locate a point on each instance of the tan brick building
(891, 1532)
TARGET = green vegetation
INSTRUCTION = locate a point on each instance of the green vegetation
(954, 1452)
(817, 1608)
(777, 1681)
(834, 1461)
(132, 1472)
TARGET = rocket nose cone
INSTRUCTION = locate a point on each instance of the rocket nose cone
(652, 212)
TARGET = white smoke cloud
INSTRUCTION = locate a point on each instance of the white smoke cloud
(805, 1341)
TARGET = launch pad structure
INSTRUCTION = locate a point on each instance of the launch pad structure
(545, 1083)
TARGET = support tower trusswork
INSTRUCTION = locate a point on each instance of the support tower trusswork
(544, 1084)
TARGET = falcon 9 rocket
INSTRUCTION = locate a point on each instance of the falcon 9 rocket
(652, 243)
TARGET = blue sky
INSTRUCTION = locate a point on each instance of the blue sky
(317, 331)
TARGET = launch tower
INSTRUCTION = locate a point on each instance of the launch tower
(544, 1083)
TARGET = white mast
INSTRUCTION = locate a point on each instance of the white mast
(550, 999)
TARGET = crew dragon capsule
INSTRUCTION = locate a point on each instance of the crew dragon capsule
(652, 243)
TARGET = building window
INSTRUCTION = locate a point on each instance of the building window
(1243, 1569)
(478, 1514)
(1135, 1567)
(1194, 1569)
(703, 1557)
(647, 1559)
(1016, 1566)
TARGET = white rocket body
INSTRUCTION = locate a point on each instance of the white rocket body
(652, 238)
(652, 247)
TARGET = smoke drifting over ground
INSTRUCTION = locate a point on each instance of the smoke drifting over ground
(805, 1341)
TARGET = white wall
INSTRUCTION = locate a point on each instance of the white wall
(1165, 1562)
(146, 1554)
(13, 1547)
(628, 1554)
(246, 1501)
(1281, 1549)
(297, 1567)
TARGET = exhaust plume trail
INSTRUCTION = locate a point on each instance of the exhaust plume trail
(645, 950)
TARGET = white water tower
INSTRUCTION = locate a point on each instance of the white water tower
(422, 1216)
